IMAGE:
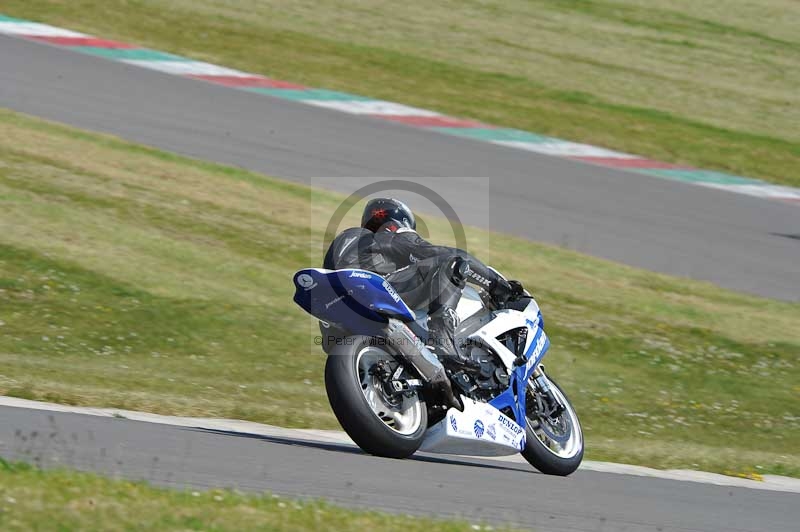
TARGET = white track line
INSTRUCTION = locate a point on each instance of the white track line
(181, 67)
(34, 29)
(372, 107)
(770, 482)
(563, 148)
(760, 191)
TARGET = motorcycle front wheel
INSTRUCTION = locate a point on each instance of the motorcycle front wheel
(382, 424)
(553, 445)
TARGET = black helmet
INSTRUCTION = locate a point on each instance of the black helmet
(387, 214)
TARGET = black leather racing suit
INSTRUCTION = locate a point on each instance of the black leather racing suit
(419, 271)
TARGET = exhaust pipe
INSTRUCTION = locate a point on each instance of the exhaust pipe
(418, 355)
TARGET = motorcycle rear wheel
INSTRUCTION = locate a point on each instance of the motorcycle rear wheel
(553, 446)
(380, 424)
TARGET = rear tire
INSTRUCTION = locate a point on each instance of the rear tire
(377, 423)
(543, 451)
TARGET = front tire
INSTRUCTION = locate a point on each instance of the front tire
(553, 446)
(379, 424)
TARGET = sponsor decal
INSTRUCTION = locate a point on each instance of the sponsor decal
(536, 352)
(333, 302)
(480, 279)
(509, 425)
(454, 423)
(490, 430)
(478, 428)
(306, 281)
(391, 291)
(490, 410)
(360, 275)
(452, 316)
(411, 257)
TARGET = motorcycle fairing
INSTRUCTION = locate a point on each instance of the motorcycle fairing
(356, 300)
(536, 345)
(514, 396)
(480, 429)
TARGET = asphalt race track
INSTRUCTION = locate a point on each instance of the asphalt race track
(480, 491)
(735, 241)
(732, 240)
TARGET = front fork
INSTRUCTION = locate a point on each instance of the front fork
(554, 407)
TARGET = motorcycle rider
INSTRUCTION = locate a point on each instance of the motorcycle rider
(422, 273)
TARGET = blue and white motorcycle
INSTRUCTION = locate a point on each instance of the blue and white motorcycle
(380, 377)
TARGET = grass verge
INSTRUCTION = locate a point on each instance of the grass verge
(138, 279)
(32, 499)
(710, 85)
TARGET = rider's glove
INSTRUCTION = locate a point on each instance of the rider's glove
(517, 290)
(503, 291)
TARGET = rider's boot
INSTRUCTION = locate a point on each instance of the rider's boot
(442, 342)
(442, 327)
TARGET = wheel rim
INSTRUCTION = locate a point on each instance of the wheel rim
(562, 436)
(402, 414)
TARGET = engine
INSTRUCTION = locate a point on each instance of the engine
(481, 375)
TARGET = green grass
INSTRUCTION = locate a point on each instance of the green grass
(710, 84)
(138, 279)
(36, 500)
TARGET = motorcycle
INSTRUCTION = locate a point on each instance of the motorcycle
(380, 376)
